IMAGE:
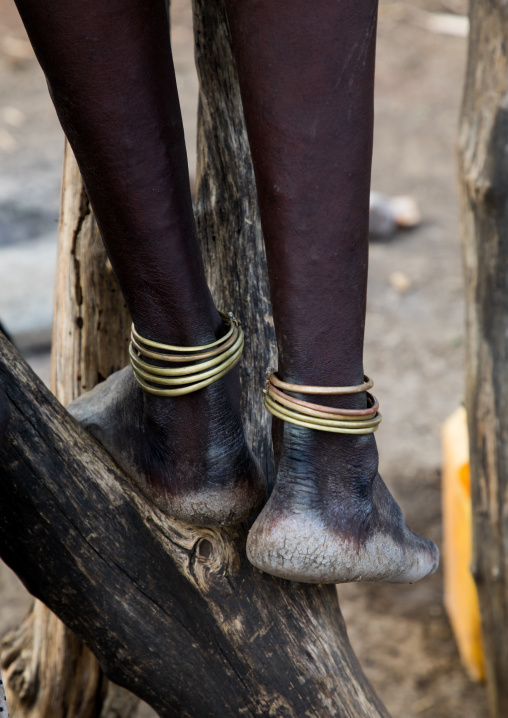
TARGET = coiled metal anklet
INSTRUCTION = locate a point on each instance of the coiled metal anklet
(202, 365)
(280, 403)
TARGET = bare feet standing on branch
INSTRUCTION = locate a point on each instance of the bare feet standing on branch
(173, 421)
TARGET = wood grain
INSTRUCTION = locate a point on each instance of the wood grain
(483, 175)
(227, 216)
(92, 324)
(49, 673)
(174, 613)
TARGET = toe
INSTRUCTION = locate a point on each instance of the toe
(422, 559)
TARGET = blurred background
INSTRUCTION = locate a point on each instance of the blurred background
(415, 319)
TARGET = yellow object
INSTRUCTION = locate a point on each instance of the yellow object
(461, 598)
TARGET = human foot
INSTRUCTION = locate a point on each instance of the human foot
(331, 518)
(186, 454)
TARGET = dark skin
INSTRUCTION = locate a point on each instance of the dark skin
(309, 122)
(110, 73)
(307, 78)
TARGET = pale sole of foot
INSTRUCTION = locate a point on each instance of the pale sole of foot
(299, 547)
(101, 410)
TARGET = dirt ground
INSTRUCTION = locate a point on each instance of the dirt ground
(414, 331)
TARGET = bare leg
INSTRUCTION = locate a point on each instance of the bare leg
(307, 76)
(110, 73)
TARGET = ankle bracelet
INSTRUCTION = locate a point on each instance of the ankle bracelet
(203, 365)
(335, 390)
(323, 418)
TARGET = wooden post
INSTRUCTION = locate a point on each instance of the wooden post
(227, 216)
(483, 169)
(49, 673)
(91, 324)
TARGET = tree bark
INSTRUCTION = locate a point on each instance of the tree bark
(91, 327)
(174, 613)
(49, 673)
(227, 216)
(483, 169)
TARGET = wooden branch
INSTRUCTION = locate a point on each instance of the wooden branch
(227, 216)
(3, 701)
(174, 613)
(483, 143)
(5, 414)
(49, 673)
(91, 324)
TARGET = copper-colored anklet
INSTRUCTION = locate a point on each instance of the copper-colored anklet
(335, 390)
(315, 416)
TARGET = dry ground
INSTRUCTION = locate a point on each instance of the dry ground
(414, 342)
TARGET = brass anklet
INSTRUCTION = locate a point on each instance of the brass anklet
(203, 365)
(323, 418)
(335, 390)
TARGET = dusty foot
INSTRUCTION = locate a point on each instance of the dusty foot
(331, 519)
(187, 454)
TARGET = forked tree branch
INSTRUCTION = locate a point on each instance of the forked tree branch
(174, 613)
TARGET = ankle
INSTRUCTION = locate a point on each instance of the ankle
(217, 403)
(340, 457)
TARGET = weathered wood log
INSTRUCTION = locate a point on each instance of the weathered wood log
(174, 613)
(91, 324)
(483, 153)
(227, 215)
(4, 420)
(49, 673)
